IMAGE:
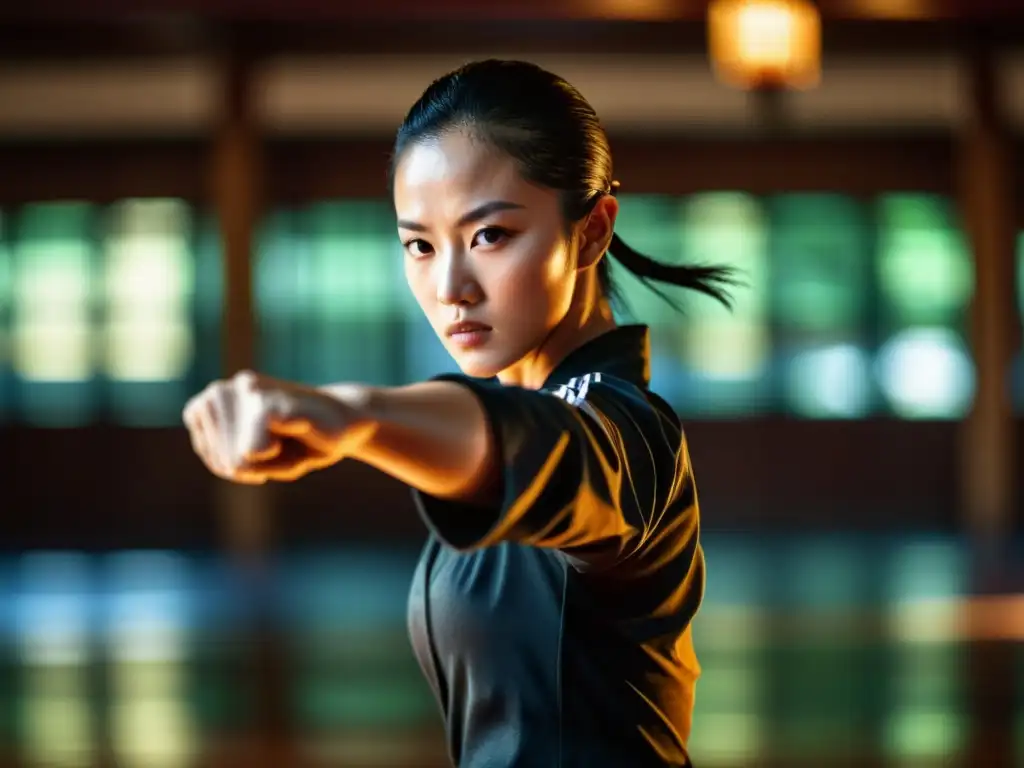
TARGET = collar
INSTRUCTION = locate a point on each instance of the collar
(623, 352)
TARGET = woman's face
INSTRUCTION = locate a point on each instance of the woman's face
(487, 255)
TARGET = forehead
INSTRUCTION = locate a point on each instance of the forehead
(458, 169)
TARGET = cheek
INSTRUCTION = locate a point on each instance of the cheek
(544, 283)
(421, 284)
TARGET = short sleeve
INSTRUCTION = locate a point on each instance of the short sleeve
(586, 469)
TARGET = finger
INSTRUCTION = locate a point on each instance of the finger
(270, 451)
(220, 420)
(293, 461)
(205, 417)
(283, 467)
(245, 477)
(222, 412)
(210, 441)
(252, 438)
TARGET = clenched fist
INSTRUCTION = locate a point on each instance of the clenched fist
(252, 428)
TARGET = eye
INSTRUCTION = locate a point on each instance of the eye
(418, 248)
(490, 236)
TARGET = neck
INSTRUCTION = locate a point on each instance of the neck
(589, 316)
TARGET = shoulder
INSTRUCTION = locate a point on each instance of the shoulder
(612, 399)
(601, 387)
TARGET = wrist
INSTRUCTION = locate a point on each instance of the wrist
(360, 417)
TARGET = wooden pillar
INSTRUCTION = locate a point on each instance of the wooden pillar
(988, 453)
(237, 185)
(237, 189)
(986, 186)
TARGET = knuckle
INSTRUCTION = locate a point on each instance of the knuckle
(247, 380)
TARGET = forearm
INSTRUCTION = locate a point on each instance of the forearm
(433, 436)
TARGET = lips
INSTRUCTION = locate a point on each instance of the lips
(466, 327)
(468, 334)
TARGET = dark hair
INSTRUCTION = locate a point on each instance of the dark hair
(547, 126)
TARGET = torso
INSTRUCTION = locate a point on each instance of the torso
(533, 668)
(553, 643)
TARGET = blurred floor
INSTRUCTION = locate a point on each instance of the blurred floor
(825, 650)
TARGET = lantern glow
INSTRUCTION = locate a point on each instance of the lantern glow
(758, 44)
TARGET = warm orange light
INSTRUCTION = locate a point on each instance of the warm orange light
(765, 43)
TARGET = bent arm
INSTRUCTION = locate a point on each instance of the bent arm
(490, 463)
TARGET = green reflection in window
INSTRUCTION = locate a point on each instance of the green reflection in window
(53, 292)
(728, 228)
(5, 283)
(925, 280)
(821, 251)
(652, 226)
(149, 279)
(330, 293)
(356, 260)
(283, 286)
(54, 344)
(925, 270)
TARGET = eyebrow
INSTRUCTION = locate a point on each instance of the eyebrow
(478, 213)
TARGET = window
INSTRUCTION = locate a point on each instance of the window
(925, 278)
(848, 308)
(821, 287)
(329, 290)
(652, 225)
(98, 310)
(727, 354)
(54, 344)
(149, 279)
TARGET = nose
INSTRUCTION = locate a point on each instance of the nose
(456, 283)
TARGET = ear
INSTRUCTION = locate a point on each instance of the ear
(596, 231)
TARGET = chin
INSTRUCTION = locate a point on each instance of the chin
(478, 370)
(479, 364)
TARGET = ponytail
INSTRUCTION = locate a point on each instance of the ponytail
(710, 280)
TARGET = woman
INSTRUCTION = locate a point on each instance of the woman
(552, 605)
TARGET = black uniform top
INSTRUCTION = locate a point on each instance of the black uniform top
(555, 628)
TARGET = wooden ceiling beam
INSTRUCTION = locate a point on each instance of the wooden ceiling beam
(29, 40)
(505, 10)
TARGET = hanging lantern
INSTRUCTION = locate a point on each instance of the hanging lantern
(765, 44)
